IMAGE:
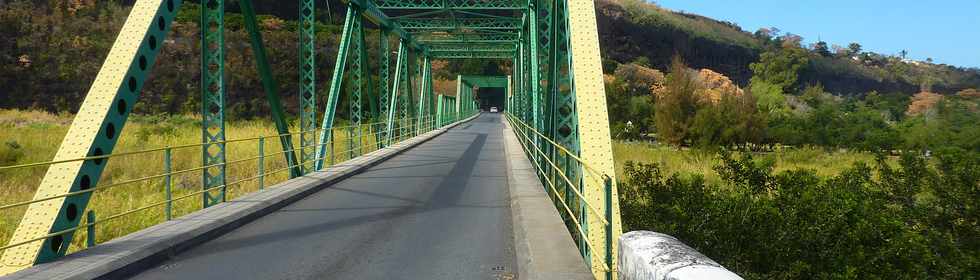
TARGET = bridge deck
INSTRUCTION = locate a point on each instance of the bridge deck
(437, 211)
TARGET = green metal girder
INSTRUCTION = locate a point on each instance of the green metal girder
(271, 88)
(477, 48)
(453, 4)
(395, 96)
(411, 77)
(454, 37)
(484, 81)
(371, 12)
(425, 94)
(357, 80)
(326, 127)
(383, 82)
(307, 85)
(471, 55)
(213, 100)
(416, 24)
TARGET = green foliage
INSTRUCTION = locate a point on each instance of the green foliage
(10, 153)
(956, 124)
(822, 49)
(733, 121)
(780, 67)
(769, 97)
(797, 225)
(678, 104)
(630, 102)
(892, 105)
(854, 48)
(701, 27)
(64, 51)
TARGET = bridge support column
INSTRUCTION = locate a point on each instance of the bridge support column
(307, 86)
(357, 79)
(425, 96)
(213, 101)
(383, 81)
(399, 82)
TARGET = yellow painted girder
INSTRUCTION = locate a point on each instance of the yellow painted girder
(593, 121)
(94, 131)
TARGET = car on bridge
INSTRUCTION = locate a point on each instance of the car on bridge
(493, 109)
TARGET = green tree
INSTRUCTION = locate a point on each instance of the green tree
(822, 49)
(733, 121)
(854, 48)
(769, 97)
(780, 67)
(678, 104)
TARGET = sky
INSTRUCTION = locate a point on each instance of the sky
(948, 31)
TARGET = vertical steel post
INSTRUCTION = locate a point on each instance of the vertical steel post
(394, 96)
(383, 80)
(535, 120)
(423, 94)
(608, 230)
(307, 85)
(168, 207)
(331, 149)
(350, 142)
(357, 82)
(90, 229)
(213, 100)
(439, 110)
(261, 163)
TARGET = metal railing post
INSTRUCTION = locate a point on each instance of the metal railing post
(331, 147)
(168, 207)
(350, 142)
(261, 163)
(609, 216)
(90, 229)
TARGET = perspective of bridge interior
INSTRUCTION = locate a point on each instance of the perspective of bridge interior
(388, 178)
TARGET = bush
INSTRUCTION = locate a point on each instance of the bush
(797, 225)
(10, 153)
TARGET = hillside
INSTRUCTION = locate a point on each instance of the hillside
(50, 60)
(633, 29)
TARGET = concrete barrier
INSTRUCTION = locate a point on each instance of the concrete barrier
(647, 255)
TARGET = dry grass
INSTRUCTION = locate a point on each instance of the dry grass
(30, 136)
(688, 161)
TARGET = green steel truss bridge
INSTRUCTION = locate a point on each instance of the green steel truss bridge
(555, 104)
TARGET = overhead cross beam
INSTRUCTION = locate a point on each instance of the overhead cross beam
(446, 37)
(468, 54)
(453, 4)
(476, 49)
(423, 24)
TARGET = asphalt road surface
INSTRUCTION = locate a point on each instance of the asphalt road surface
(437, 211)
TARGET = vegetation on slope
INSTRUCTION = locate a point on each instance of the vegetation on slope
(634, 30)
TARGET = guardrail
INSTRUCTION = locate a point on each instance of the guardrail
(553, 165)
(405, 128)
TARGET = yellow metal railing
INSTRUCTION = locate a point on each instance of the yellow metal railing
(531, 142)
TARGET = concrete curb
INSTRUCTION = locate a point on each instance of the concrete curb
(135, 252)
(544, 248)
